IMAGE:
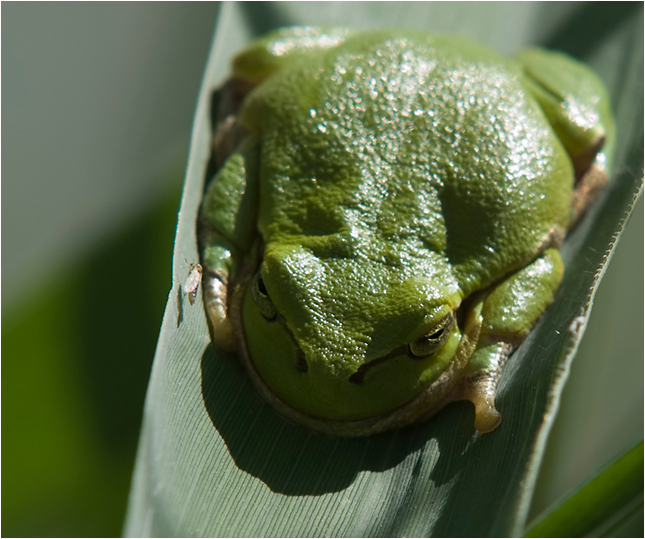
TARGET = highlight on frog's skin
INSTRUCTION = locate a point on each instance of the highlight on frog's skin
(384, 224)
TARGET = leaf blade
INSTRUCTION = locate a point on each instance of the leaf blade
(240, 470)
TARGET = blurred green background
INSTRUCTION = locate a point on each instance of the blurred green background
(96, 116)
(98, 102)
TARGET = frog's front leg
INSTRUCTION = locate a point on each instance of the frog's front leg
(219, 258)
(509, 311)
(227, 232)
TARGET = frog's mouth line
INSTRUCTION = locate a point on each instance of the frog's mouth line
(358, 377)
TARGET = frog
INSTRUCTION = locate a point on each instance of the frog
(383, 226)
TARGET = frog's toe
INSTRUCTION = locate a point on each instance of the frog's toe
(487, 418)
(480, 390)
(215, 294)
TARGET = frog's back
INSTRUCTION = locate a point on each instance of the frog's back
(388, 147)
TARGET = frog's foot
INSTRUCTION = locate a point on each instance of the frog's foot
(215, 297)
(480, 388)
(586, 189)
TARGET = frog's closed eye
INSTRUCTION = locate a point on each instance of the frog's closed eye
(262, 299)
(434, 339)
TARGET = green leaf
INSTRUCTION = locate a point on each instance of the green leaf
(215, 460)
(612, 495)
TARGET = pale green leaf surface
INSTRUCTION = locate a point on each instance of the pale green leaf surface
(214, 460)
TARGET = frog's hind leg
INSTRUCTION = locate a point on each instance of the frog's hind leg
(252, 66)
(228, 133)
(280, 47)
(575, 102)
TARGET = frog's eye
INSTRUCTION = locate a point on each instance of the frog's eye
(261, 297)
(434, 339)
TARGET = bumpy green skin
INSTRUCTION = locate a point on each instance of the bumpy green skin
(390, 177)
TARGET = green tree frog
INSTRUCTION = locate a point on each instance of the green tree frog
(383, 228)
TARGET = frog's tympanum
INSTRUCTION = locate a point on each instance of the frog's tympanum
(384, 225)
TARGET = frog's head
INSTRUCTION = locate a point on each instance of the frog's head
(349, 337)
